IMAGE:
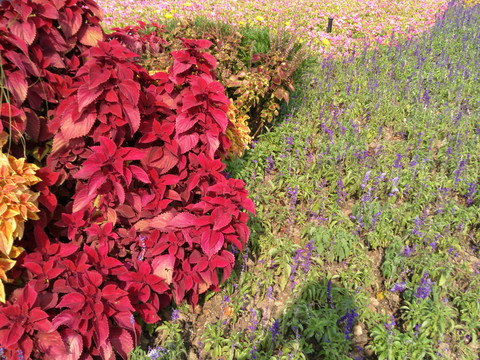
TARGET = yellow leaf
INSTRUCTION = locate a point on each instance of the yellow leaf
(6, 239)
(2, 293)
(381, 295)
(15, 252)
(6, 264)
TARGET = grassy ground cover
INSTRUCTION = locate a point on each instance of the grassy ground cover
(366, 240)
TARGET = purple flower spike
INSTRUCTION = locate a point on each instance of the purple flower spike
(424, 288)
(399, 287)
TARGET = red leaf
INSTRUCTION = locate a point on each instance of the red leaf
(210, 59)
(223, 260)
(17, 85)
(121, 341)
(221, 218)
(13, 335)
(108, 146)
(212, 242)
(139, 174)
(203, 44)
(185, 122)
(70, 22)
(51, 344)
(24, 30)
(120, 192)
(74, 301)
(74, 344)
(131, 90)
(163, 164)
(101, 330)
(90, 35)
(82, 199)
(187, 142)
(220, 117)
(162, 221)
(33, 126)
(182, 220)
(133, 116)
(213, 144)
(86, 96)
(97, 76)
(37, 315)
(47, 10)
(8, 110)
(190, 101)
(81, 127)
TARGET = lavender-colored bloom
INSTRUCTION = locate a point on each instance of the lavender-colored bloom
(391, 324)
(175, 315)
(270, 163)
(408, 251)
(274, 330)
(20, 355)
(424, 288)
(329, 293)
(307, 262)
(348, 319)
(472, 189)
(157, 353)
(365, 179)
(253, 322)
(399, 287)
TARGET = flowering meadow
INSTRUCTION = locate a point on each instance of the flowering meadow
(354, 21)
(227, 180)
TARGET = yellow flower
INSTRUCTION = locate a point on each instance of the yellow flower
(168, 15)
(326, 42)
(287, 23)
(260, 18)
(188, 4)
(241, 22)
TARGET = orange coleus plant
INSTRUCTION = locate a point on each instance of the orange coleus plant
(238, 131)
(17, 204)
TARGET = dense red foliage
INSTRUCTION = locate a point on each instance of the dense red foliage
(135, 207)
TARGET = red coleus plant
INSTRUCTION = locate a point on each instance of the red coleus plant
(142, 210)
(42, 39)
(25, 328)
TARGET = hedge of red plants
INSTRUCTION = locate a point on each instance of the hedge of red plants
(135, 208)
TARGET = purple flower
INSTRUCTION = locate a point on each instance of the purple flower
(175, 315)
(157, 353)
(399, 287)
(391, 324)
(365, 179)
(348, 319)
(408, 251)
(424, 288)
(270, 163)
(329, 293)
(274, 330)
(472, 189)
